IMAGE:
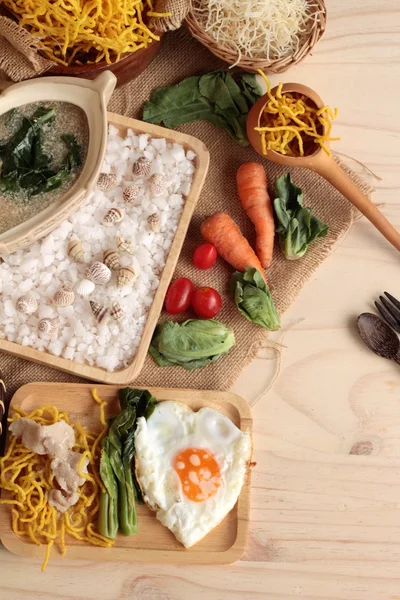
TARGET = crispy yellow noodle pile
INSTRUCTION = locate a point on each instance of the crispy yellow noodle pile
(27, 479)
(71, 31)
(291, 124)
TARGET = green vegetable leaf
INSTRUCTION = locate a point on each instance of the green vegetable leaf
(253, 298)
(117, 464)
(250, 88)
(106, 472)
(139, 400)
(26, 166)
(108, 514)
(160, 360)
(296, 225)
(74, 155)
(192, 344)
(218, 97)
(213, 86)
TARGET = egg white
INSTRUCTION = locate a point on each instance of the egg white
(172, 427)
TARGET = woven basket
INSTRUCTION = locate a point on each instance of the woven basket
(252, 64)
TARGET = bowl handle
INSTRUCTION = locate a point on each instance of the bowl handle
(104, 84)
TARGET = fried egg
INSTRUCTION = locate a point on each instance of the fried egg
(191, 467)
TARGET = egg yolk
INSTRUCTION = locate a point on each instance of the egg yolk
(198, 472)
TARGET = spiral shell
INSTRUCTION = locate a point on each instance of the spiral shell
(106, 182)
(75, 250)
(64, 297)
(142, 167)
(98, 272)
(125, 245)
(85, 287)
(111, 259)
(131, 193)
(116, 312)
(26, 304)
(158, 184)
(126, 275)
(154, 222)
(114, 215)
(48, 326)
(100, 312)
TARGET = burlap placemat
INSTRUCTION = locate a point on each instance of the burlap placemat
(19, 58)
(182, 56)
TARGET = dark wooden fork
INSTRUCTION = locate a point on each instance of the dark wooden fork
(389, 308)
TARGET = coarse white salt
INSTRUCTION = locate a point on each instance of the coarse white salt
(44, 267)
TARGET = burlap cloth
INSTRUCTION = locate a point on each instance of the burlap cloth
(182, 56)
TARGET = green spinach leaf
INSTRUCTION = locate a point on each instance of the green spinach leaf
(26, 166)
(218, 97)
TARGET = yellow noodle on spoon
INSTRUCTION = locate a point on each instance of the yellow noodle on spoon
(291, 124)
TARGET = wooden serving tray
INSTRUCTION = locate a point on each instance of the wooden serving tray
(154, 543)
(125, 376)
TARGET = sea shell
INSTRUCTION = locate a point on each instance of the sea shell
(154, 222)
(131, 193)
(125, 245)
(85, 287)
(125, 276)
(75, 250)
(116, 312)
(142, 167)
(107, 182)
(48, 326)
(26, 304)
(114, 215)
(158, 184)
(98, 272)
(111, 259)
(64, 297)
(100, 312)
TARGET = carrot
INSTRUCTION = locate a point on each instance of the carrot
(222, 231)
(252, 189)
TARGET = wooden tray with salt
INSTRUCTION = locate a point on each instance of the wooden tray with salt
(129, 373)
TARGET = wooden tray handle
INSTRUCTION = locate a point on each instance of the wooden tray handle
(2, 410)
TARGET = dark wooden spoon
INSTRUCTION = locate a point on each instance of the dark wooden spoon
(378, 336)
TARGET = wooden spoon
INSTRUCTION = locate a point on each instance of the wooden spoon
(321, 163)
(378, 336)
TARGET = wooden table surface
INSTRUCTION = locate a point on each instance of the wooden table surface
(325, 522)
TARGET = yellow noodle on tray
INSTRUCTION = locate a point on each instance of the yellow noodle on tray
(291, 124)
(77, 31)
(27, 478)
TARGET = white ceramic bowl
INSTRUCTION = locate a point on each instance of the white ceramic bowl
(92, 97)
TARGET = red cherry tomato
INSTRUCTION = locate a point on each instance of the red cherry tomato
(206, 302)
(205, 256)
(179, 296)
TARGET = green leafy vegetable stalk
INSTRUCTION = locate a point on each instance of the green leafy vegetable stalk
(218, 97)
(296, 225)
(26, 166)
(108, 514)
(118, 504)
(192, 344)
(253, 298)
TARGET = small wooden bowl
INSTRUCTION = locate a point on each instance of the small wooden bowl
(126, 69)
